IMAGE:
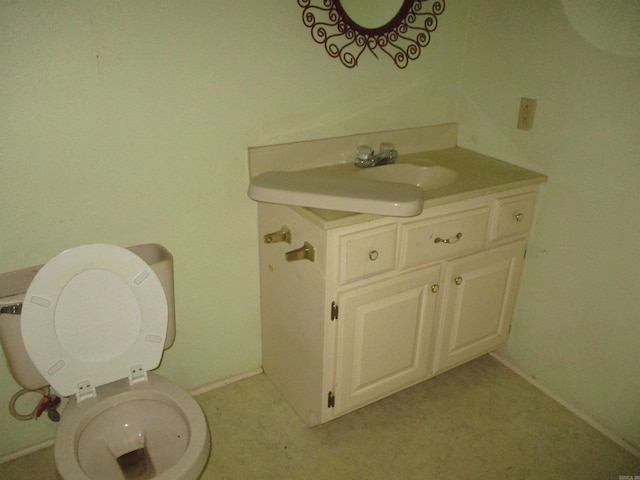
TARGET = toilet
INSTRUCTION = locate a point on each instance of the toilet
(93, 323)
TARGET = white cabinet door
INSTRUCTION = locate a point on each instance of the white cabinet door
(480, 292)
(385, 331)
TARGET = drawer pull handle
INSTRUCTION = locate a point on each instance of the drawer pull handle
(305, 252)
(435, 288)
(449, 240)
(519, 217)
(458, 280)
(373, 255)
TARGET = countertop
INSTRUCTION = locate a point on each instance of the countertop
(478, 175)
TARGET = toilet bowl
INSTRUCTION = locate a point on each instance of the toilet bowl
(151, 430)
(94, 322)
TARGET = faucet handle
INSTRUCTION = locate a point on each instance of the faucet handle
(365, 156)
(365, 152)
(386, 147)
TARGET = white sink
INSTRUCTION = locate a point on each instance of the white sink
(425, 177)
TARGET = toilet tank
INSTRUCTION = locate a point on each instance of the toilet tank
(14, 285)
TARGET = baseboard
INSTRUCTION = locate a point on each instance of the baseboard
(26, 451)
(227, 381)
(603, 430)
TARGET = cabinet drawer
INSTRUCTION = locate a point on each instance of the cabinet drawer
(512, 216)
(442, 237)
(367, 253)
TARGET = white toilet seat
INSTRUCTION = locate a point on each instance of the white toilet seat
(93, 315)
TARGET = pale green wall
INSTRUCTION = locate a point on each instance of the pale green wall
(577, 325)
(129, 122)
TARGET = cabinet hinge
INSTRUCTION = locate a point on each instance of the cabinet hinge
(334, 311)
(331, 400)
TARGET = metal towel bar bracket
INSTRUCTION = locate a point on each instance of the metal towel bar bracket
(282, 235)
(306, 252)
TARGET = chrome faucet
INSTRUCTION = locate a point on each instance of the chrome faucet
(367, 158)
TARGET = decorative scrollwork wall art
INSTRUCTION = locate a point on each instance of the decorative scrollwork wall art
(402, 38)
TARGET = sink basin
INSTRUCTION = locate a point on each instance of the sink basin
(425, 177)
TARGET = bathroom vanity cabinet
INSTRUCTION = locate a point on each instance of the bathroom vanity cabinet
(386, 302)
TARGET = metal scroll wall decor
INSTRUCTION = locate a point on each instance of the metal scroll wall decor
(402, 38)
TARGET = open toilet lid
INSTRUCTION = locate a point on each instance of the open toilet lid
(93, 315)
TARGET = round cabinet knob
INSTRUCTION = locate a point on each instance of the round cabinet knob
(519, 217)
(373, 255)
(458, 280)
(435, 288)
